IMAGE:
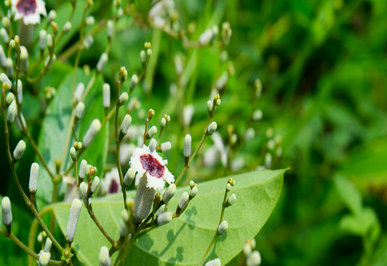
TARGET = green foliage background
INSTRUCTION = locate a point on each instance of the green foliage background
(323, 67)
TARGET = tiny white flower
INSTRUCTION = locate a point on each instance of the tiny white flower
(29, 10)
(215, 262)
(150, 163)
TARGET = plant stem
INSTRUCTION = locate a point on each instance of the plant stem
(98, 224)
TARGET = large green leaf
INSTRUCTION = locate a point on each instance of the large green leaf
(184, 240)
(56, 126)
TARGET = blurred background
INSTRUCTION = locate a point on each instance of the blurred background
(322, 66)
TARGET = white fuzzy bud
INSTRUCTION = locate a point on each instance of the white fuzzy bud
(73, 219)
(187, 145)
(125, 124)
(12, 43)
(160, 210)
(3, 57)
(104, 258)
(254, 259)
(206, 37)
(48, 245)
(164, 218)
(102, 62)
(143, 56)
(123, 229)
(9, 98)
(5, 21)
(12, 112)
(94, 184)
(110, 28)
(169, 193)
(73, 153)
(215, 262)
(51, 15)
(93, 130)
(34, 173)
(152, 145)
(144, 199)
(223, 227)
(19, 91)
(183, 200)
(42, 39)
(212, 128)
(194, 191)
(123, 98)
(83, 169)
(83, 189)
(231, 200)
(49, 40)
(257, 115)
(133, 81)
(19, 150)
(4, 35)
(106, 95)
(268, 160)
(210, 105)
(9, 66)
(79, 110)
(79, 91)
(228, 187)
(67, 27)
(129, 177)
(6, 211)
(163, 122)
(90, 20)
(4, 79)
(166, 146)
(23, 58)
(44, 258)
(152, 131)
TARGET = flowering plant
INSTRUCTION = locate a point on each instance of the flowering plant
(100, 175)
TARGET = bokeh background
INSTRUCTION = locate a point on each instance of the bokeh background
(322, 65)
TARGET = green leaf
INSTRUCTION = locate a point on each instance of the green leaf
(364, 224)
(56, 127)
(349, 194)
(185, 239)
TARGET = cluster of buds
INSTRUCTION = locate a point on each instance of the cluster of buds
(146, 53)
(213, 103)
(253, 258)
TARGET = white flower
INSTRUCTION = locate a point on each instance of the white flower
(110, 184)
(29, 10)
(150, 163)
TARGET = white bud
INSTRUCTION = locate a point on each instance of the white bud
(160, 210)
(194, 191)
(187, 145)
(206, 37)
(23, 58)
(83, 189)
(129, 177)
(9, 98)
(44, 258)
(257, 115)
(102, 62)
(88, 41)
(19, 150)
(123, 229)
(42, 39)
(90, 20)
(79, 91)
(9, 66)
(5, 21)
(79, 110)
(123, 98)
(143, 56)
(3, 57)
(169, 193)
(231, 200)
(183, 200)
(93, 130)
(152, 145)
(94, 184)
(104, 258)
(228, 187)
(34, 173)
(163, 122)
(212, 128)
(221, 81)
(223, 227)
(164, 218)
(19, 91)
(67, 27)
(12, 43)
(51, 15)
(12, 112)
(4, 35)
(125, 124)
(106, 95)
(110, 28)
(270, 144)
(73, 153)
(47, 245)
(49, 41)
(83, 169)
(73, 219)
(215, 30)
(268, 160)
(215, 262)
(152, 131)
(6, 211)
(4, 79)
(133, 81)
(120, 12)
(144, 199)
(254, 259)
(210, 105)
(166, 146)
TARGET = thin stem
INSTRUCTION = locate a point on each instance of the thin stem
(127, 251)
(98, 224)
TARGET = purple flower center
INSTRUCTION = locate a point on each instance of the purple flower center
(152, 165)
(26, 6)
(113, 188)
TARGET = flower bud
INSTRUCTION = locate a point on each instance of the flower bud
(19, 150)
(79, 91)
(106, 95)
(133, 81)
(187, 145)
(93, 130)
(51, 15)
(34, 173)
(129, 177)
(215, 262)
(123, 229)
(104, 258)
(83, 189)
(152, 131)
(90, 20)
(163, 122)
(152, 145)
(83, 169)
(169, 193)
(257, 115)
(9, 66)
(73, 219)
(166, 146)
(123, 75)
(23, 58)
(228, 187)
(88, 41)
(231, 181)
(231, 200)
(9, 98)
(42, 39)
(212, 128)
(12, 112)
(79, 110)
(206, 37)
(4, 35)
(125, 124)
(102, 62)
(268, 160)
(5, 21)
(44, 258)
(73, 153)
(254, 259)
(110, 28)
(123, 98)
(144, 200)
(194, 191)
(143, 57)
(223, 227)
(49, 41)
(67, 27)
(6, 211)
(249, 245)
(48, 245)
(3, 57)
(95, 184)
(183, 200)
(164, 218)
